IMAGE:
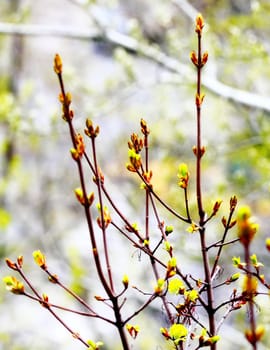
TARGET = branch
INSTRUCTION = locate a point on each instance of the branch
(189, 10)
(43, 30)
(154, 54)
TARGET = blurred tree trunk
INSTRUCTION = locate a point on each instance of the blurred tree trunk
(16, 54)
(16, 58)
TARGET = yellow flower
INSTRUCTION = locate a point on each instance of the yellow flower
(176, 286)
(178, 333)
(192, 295)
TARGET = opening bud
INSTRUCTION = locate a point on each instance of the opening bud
(13, 285)
(199, 24)
(94, 345)
(159, 288)
(183, 175)
(133, 330)
(254, 337)
(79, 195)
(40, 259)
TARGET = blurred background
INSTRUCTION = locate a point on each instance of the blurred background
(125, 60)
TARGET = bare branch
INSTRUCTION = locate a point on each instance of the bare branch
(43, 30)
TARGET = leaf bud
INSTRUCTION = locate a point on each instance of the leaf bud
(91, 198)
(53, 278)
(159, 288)
(71, 114)
(267, 243)
(209, 341)
(238, 263)
(133, 330)
(94, 345)
(148, 176)
(90, 130)
(20, 261)
(79, 195)
(68, 98)
(105, 219)
(13, 285)
(194, 58)
(144, 128)
(193, 228)
(131, 168)
(233, 222)
(171, 267)
(216, 206)
(125, 281)
(233, 203)
(45, 301)
(204, 58)
(58, 64)
(168, 247)
(12, 265)
(168, 230)
(233, 278)
(74, 154)
(183, 175)
(199, 24)
(224, 221)
(135, 159)
(40, 259)
(254, 336)
(201, 153)
(80, 146)
(165, 333)
(199, 99)
(255, 262)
